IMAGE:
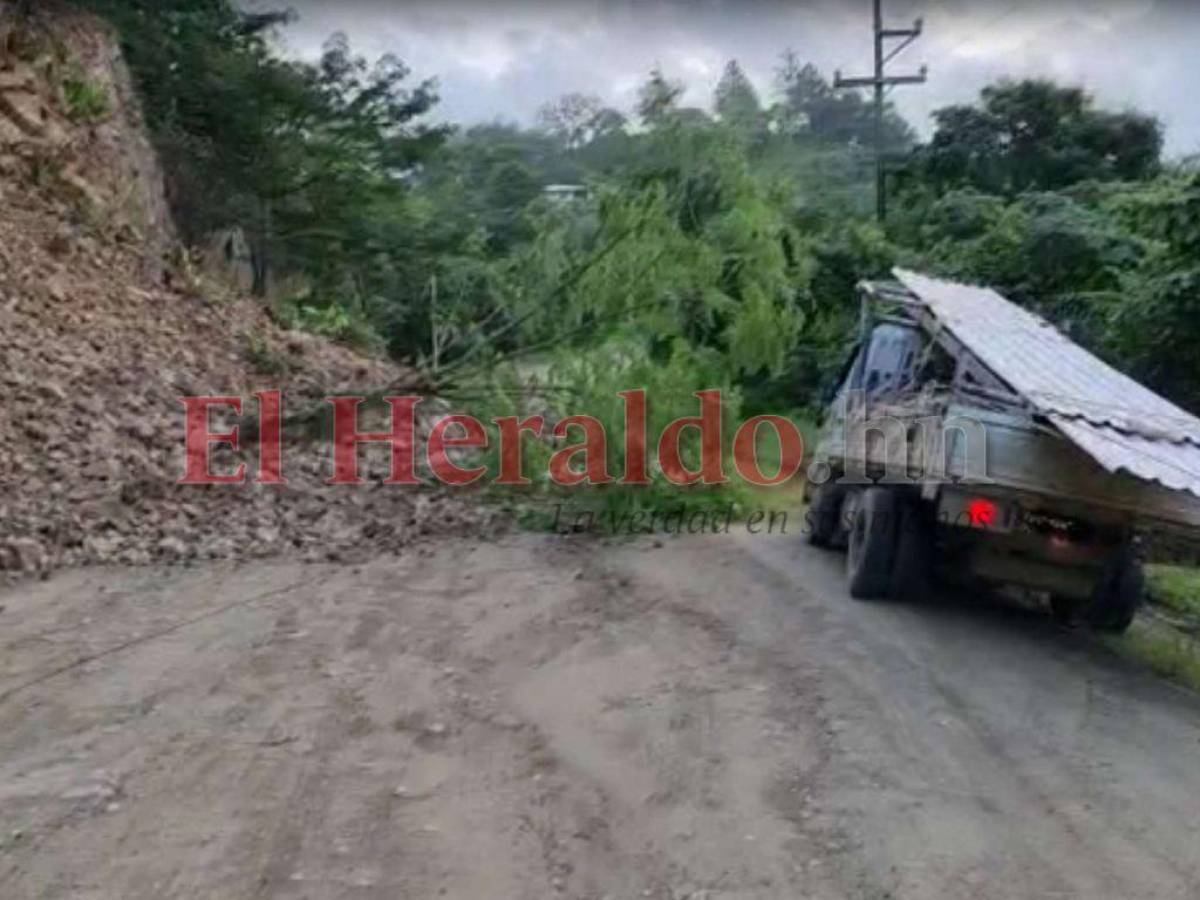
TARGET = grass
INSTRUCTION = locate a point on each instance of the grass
(1177, 588)
(1163, 642)
(87, 100)
(1163, 649)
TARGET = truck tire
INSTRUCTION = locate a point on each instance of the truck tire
(872, 548)
(914, 552)
(1064, 610)
(825, 513)
(1118, 595)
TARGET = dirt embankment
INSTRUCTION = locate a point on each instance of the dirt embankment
(103, 327)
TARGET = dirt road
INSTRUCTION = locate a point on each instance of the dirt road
(547, 717)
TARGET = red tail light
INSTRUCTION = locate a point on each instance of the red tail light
(982, 513)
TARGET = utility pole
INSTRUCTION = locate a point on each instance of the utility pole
(880, 81)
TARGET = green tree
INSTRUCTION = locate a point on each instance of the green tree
(1154, 315)
(1035, 134)
(293, 152)
(736, 102)
(576, 119)
(810, 108)
(658, 98)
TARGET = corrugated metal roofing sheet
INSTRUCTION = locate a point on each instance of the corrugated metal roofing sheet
(1121, 424)
(1173, 465)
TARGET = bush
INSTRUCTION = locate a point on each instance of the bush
(264, 359)
(333, 321)
(87, 100)
(571, 383)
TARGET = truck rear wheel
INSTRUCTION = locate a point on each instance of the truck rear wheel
(825, 513)
(914, 552)
(1065, 610)
(872, 549)
(1118, 596)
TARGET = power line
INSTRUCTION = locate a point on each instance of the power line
(879, 82)
(144, 639)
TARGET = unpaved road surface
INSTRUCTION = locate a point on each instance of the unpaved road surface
(546, 717)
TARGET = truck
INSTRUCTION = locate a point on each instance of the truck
(969, 439)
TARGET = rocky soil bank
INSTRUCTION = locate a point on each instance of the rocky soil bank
(104, 326)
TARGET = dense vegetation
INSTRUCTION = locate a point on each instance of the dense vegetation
(716, 247)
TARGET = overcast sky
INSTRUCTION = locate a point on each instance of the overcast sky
(503, 59)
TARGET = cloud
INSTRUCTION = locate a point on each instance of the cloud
(503, 60)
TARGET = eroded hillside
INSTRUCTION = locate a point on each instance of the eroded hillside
(105, 323)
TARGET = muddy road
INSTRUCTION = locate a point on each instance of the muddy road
(548, 717)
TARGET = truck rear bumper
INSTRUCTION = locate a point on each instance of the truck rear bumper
(994, 565)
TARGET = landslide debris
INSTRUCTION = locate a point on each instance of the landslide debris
(104, 326)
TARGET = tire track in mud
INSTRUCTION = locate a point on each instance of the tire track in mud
(563, 717)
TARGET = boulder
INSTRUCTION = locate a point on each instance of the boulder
(24, 555)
